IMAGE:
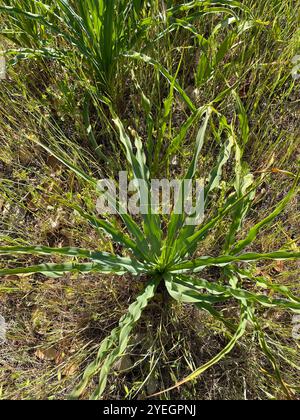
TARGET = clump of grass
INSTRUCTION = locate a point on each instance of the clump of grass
(228, 67)
(102, 33)
(98, 31)
(165, 258)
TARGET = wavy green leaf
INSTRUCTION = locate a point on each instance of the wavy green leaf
(114, 346)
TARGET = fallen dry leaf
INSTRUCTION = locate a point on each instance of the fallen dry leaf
(48, 354)
(71, 369)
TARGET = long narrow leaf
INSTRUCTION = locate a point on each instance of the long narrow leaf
(195, 284)
(114, 346)
(252, 235)
(202, 262)
(109, 262)
(230, 346)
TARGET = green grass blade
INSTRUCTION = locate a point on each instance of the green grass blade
(262, 282)
(108, 261)
(243, 118)
(188, 244)
(177, 220)
(116, 234)
(216, 174)
(252, 235)
(177, 141)
(131, 225)
(203, 301)
(141, 174)
(148, 60)
(243, 181)
(196, 284)
(59, 269)
(77, 171)
(270, 356)
(114, 346)
(90, 133)
(230, 346)
(199, 263)
(207, 5)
